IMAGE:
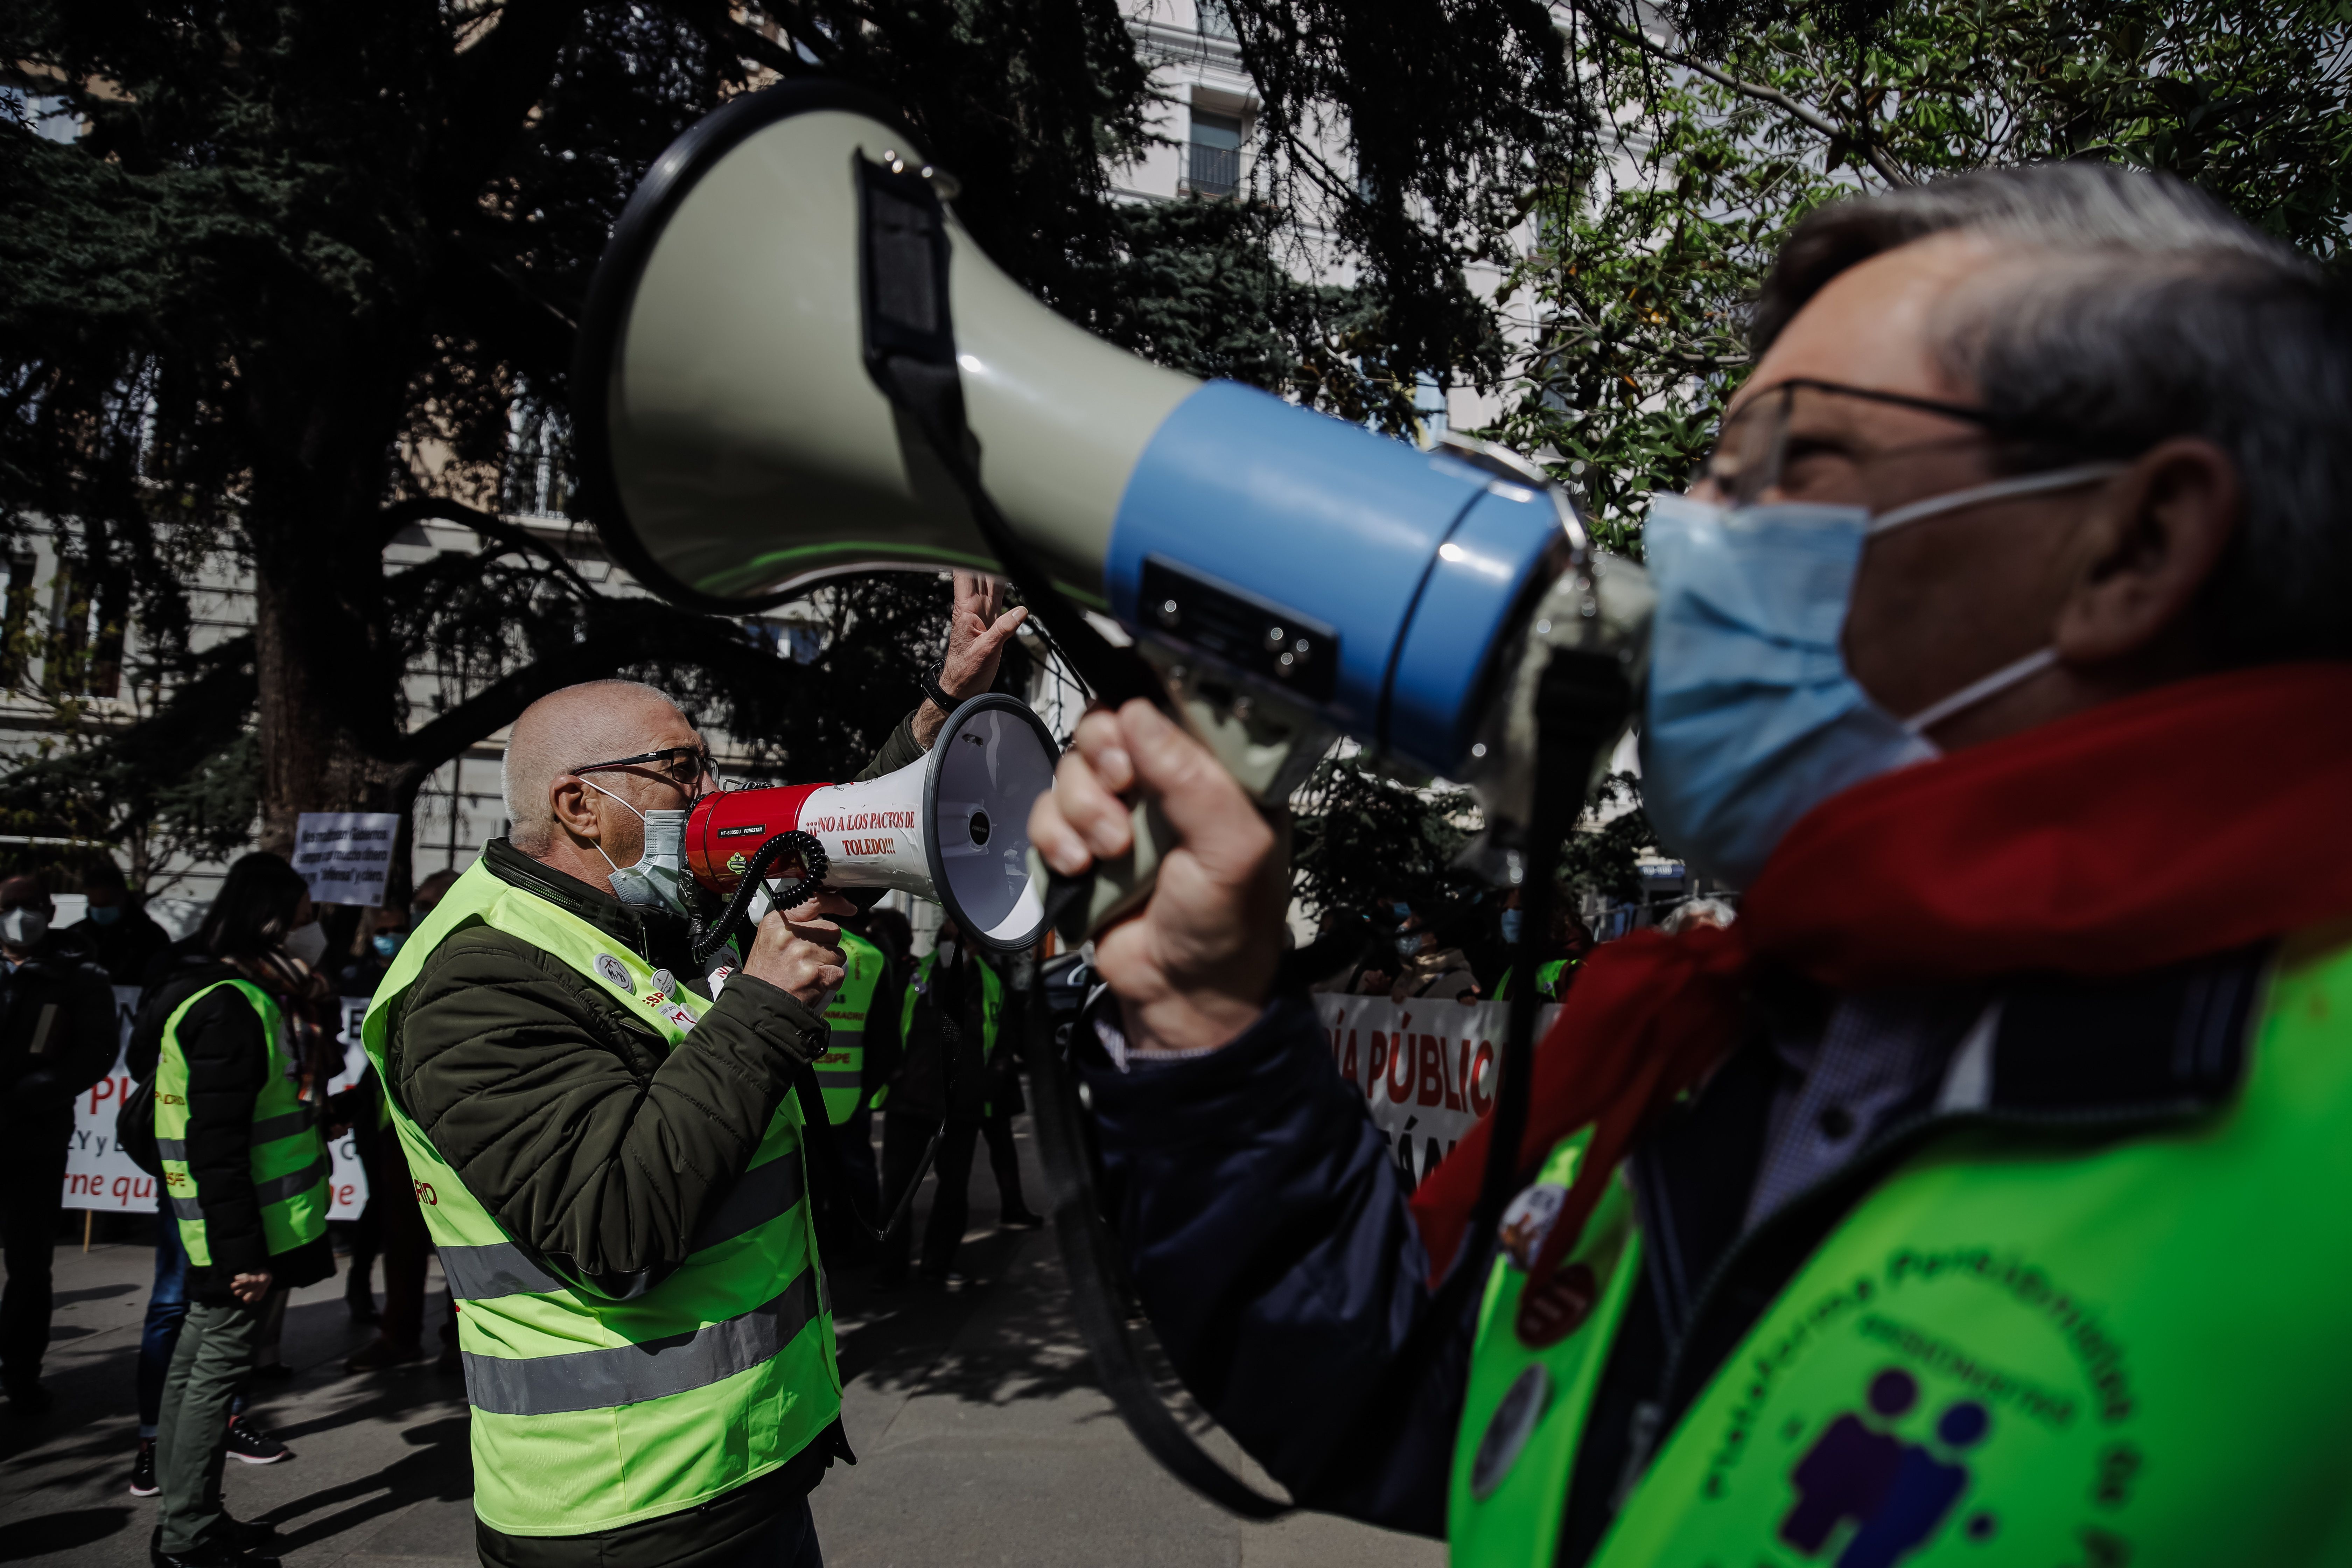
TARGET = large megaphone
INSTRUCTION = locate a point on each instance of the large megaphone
(737, 443)
(952, 827)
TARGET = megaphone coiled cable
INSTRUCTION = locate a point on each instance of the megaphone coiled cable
(814, 863)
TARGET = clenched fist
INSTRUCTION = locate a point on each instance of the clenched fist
(798, 952)
(1195, 965)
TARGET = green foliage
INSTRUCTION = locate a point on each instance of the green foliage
(1652, 247)
(1360, 839)
(1604, 858)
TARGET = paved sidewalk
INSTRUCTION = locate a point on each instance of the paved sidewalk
(981, 1437)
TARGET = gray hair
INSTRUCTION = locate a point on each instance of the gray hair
(2161, 313)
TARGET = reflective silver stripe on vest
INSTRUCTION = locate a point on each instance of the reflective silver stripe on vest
(269, 1132)
(188, 1208)
(487, 1273)
(839, 1078)
(278, 1127)
(278, 1189)
(765, 1192)
(501, 1268)
(630, 1374)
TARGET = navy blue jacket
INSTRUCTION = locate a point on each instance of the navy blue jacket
(1266, 1230)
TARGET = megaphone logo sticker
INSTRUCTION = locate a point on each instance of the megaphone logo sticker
(737, 861)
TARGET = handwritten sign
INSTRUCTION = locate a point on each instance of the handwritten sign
(345, 856)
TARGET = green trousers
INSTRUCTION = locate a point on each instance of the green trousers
(210, 1364)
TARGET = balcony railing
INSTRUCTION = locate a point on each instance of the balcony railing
(1215, 171)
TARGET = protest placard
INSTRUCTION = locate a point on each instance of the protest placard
(1426, 1068)
(345, 856)
(98, 1171)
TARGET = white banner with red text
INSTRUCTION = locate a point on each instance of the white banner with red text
(1426, 1068)
(99, 1172)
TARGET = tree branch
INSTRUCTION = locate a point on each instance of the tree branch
(1812, 119)
(416, 508)
(748, 43)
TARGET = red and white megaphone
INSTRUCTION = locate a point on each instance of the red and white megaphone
(952, 827)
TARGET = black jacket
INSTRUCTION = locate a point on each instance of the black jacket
(58, 1034)
(126, 948)
(229, 1059)
(1265, 1228)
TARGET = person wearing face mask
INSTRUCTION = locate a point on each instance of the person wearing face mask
(227, 1042)
(58, 1036)
(116, 928)
(1425, 964)
(606, 1140)
(1975, 1194)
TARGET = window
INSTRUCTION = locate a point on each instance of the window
(86, 621)
(1215, 21)
(1216, 155)
(15, 618)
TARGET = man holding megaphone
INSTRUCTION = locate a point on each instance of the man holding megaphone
(609, 1151)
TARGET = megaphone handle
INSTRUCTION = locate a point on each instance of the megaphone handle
(1079, 907)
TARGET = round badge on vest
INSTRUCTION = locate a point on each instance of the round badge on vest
(1551, 1310)
(613, 970)
(665, 982)
(1527, 1223)
(1514, 1422)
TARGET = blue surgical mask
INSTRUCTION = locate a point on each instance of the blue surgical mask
(105, 914)
(1512, 921)
(1752, 718)
(385, 943)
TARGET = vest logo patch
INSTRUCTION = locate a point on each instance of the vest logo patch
(426, 1195)
(1894, 1493)
(1551, 1310)
(1527, 1223)
(1882, 1415)
(613, 970)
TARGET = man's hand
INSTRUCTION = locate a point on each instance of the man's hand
(976, 639)
(1194, 967)
(798, 952)
(250, 1287)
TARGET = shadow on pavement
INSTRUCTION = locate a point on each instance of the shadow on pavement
(61, 1532)
(438, 1467)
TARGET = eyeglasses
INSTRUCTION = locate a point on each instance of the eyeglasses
(685, 766)
(1808, 423)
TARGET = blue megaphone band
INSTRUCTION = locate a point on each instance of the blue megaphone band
(1409, 562)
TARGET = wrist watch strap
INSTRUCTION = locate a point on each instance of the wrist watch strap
(938, 694)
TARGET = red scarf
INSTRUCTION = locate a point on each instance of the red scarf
(2184, 821)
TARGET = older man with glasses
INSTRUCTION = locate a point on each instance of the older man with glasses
(1977, 1195)
(606, 1140)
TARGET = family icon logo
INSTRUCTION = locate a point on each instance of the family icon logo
(1895, 1494)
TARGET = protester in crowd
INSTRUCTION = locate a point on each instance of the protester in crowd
(951, 1023)
(891, 931)
(118, 929)
(1425, 965)
(1563, 948)
(393, 1225)
(863, 1018)
(618, 1204)
(375, 940)
(1995, 1149)
(57, 1038)
(1690, 912)
(246, 1178)
(1005, 1100)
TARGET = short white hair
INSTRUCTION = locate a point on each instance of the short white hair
(592, 722)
